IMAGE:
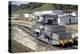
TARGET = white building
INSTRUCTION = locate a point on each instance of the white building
(54, 12)
(58, 12)
(67, 19)
(38, 13)
(27, 15)
(63, 18)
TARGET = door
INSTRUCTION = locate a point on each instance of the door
(70, 21)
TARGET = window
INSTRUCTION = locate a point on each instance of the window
(45, 36)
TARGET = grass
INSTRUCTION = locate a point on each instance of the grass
(43, 7)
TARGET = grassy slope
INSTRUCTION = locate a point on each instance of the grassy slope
(43, 7)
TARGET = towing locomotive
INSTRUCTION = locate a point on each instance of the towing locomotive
(51, 32)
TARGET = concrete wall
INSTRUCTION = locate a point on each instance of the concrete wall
(25, 41)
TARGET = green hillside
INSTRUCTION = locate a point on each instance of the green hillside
(45, 7)
(23, 8)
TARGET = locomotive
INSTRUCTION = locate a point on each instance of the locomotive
(51, 32)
